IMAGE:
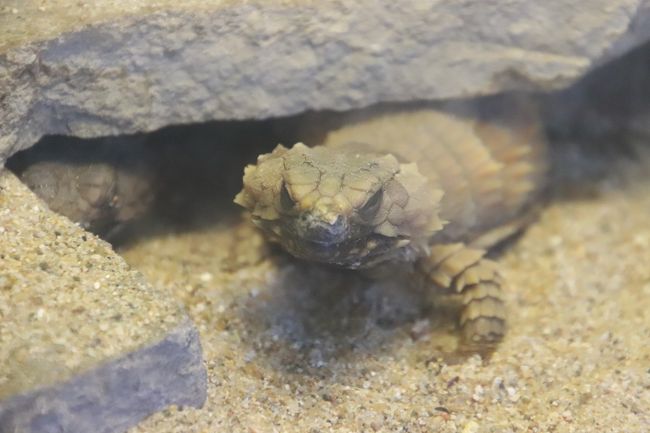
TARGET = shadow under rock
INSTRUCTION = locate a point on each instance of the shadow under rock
(598, 128)
(583, 169)
(311, 317)
(199, 170)
(192, 171)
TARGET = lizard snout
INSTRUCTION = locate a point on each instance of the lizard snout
(324, 231)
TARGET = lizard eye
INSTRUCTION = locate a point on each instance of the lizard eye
(369, 210)
(286, 201)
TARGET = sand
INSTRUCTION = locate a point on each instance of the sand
(293, 348)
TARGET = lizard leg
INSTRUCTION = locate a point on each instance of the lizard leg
(464, 270)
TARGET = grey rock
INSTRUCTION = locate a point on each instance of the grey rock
(116, 395)
(637, 31)
(86, 344)
(235, 60)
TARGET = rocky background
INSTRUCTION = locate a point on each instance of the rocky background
(115, 67)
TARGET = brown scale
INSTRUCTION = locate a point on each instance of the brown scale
(489, 159)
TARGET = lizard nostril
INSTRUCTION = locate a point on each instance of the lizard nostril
(338, 223)
(315, 229)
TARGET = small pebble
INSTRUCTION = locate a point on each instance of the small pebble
(206, 277)
(420, 329)
(478, 393)
(250, 355)
(471, 427)
(512, 394)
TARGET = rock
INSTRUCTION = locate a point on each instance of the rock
(85, 343)
(610, 101)
(74, 69)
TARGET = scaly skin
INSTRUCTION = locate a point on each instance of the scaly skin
(100, 187)
(426, 188)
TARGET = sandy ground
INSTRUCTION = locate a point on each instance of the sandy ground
(291, 348)
(67, 302)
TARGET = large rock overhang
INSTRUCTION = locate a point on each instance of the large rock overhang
(109, 71)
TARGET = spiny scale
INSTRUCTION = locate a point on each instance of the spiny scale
(491, 163)
(490, 166)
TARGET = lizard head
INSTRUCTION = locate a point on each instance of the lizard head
(340, 207)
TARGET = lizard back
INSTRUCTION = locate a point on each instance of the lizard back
(489, 157)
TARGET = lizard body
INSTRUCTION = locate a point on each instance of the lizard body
(426, 187)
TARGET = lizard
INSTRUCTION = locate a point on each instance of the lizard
(101, 187)
(427, 189)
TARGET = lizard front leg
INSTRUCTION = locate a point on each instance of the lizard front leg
(460, 269)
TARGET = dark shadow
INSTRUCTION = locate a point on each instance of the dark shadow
(194, 171)
(313, 316)
(599, 128)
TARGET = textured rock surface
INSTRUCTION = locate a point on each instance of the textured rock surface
(85, 343)
(115, 67)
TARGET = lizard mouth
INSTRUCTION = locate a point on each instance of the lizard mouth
(322, 234)
(351, 253)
